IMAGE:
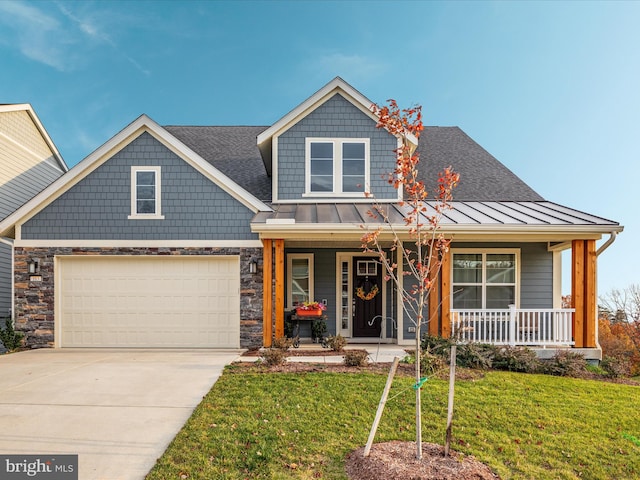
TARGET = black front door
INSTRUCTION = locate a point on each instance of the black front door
(367, 297)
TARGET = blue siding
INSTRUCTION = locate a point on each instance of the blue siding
(98, 206)
(336, 118)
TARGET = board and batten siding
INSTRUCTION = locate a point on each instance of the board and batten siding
(336, 118)
(97, 207)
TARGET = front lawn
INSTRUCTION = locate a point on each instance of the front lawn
(302, 425)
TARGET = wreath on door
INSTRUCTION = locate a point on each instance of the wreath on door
(361, 294)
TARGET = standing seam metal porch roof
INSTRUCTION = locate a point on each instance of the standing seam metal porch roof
(540, 214)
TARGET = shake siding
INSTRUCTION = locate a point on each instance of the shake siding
(5, 283)
(97, 207)
(337, 118)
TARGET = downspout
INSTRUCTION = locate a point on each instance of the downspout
(603, 247)
(10, 243)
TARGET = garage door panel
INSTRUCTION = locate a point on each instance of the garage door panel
(150, 302)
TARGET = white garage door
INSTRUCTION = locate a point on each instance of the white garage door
(133, 301)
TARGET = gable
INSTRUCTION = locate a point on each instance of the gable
(28, 163)
(98, 206)
(336, 118)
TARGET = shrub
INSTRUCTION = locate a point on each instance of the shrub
(274, 356)
(356, 358)
(282, 343)
(318, 329)
(437, 345)
(565, 364)
(615, 367)
(336, 343)
(515, 359)
(430, 364)
(475, 355)
(9, 337)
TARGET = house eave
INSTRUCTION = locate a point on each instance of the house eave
(292, 230)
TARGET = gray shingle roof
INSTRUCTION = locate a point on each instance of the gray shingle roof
(234, 152)
(482, 176)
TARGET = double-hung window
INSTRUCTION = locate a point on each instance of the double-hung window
(337, 166)
(484, 279)
(145, 193)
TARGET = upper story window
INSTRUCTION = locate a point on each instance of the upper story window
(145, 193)
(484, 279)
(337, 166)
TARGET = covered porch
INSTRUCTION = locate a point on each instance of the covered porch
(537, 319)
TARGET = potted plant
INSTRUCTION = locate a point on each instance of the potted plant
(310, 309)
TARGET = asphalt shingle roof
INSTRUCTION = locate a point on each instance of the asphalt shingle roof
(233, 150)
(482, 177)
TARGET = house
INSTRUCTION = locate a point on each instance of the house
(183, 236)
(29, 161)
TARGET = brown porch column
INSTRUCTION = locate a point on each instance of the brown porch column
(279, 266)
(590, 296)
(583, 292)
(434, 297)
(577, 291)
(445, 292)
(267, 295)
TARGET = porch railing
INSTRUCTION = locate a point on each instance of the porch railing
(514, 326)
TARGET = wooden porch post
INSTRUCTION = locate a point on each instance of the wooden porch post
(279, 266)
(578, 291)
(267, 291)
(445, 292)
(434, 298)
(590, 296)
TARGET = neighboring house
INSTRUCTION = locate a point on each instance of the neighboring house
(204, 236)
(29, 161)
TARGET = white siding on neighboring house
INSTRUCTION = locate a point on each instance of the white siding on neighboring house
(27, 164)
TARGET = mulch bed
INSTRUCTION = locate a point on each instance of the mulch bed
(397, 461)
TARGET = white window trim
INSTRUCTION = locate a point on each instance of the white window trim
(290, 258)
(484, 252)
(337, 167)
(146, 216)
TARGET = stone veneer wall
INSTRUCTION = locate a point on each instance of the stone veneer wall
(34, 301)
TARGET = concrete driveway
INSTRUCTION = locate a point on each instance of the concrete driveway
(117, 409)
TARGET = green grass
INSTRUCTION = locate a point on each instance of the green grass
(301, 426)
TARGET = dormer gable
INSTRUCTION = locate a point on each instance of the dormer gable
(329, 148)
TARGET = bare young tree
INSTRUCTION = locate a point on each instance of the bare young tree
(415, 249)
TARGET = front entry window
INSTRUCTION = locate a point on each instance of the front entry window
(299, 278)
(484, 280)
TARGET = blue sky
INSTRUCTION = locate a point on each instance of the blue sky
(551, 89)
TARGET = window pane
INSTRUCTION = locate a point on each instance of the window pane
(467, 268)
(353, 167)
(500, 297)
(322, 150)
(322, 167)
(145, 178)
(299, 280)
(146, 206)
(321, 183)
(146, 192)
(353, 151)
(467, 296)
(501, 268)
(353, 184)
